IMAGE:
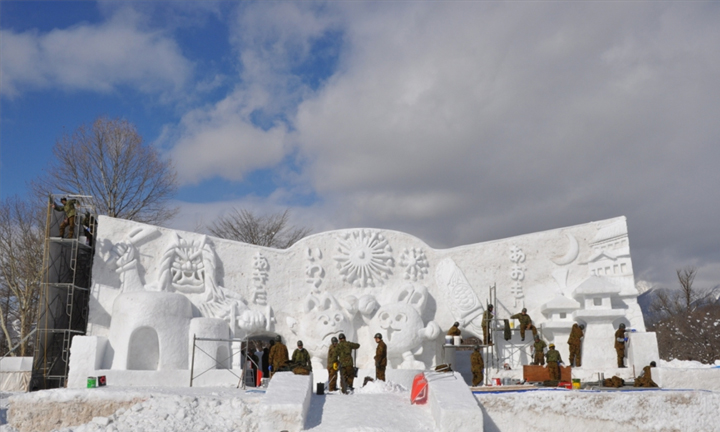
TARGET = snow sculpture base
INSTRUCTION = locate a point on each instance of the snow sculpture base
(641, 350)
(452, 403)
(286, 402)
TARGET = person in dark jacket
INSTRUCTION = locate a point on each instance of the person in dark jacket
(574, 341)
(380, 358)
(620, 345)
(477, 366)
(539, 353)
(332, 365)
(301, 360)
(278, 356)
(525, 323)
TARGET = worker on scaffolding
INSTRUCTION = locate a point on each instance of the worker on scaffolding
(539, 351)
(525, 323)
(455, 330)
(487, 318)
(67, 206)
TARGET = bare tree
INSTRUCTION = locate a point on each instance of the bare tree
(109, 161)
(269, 230)
(21, 263)
(687, 328)
(686, 277)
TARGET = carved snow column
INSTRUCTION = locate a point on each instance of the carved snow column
(210, 354)
(149, 331)
(558, 321)
(595, 295)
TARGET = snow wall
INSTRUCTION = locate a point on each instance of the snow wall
(154, 289)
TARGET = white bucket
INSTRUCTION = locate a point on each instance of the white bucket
(448, 340)
(457, 339)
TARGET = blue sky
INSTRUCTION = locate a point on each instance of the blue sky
(457, 122)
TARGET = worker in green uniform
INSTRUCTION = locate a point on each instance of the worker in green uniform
(380, 358)
(620, 345)
(525, 323)
(553, 362)
(477, 366)
(301, 360)
(574, 341)
(67, 206)
(343, 353)
(455, 330)
(539, 351)
(645, 378)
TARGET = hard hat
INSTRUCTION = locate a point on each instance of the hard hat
(378, 336)
(490, 307)
(278, 338)
(341, 336)
(622, 325)
(537, 337)
(334, 340)
(552, 345)
(456, 324)
(524, 310)
(582, 326)
(300, 343)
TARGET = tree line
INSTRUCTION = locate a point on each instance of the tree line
(126, 178)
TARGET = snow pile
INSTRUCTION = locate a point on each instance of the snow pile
(590, 411)
(377, 386)
(159, 410)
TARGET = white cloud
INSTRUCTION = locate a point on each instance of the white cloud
(97, 58)
(470, 121)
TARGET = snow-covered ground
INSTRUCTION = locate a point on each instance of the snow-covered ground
(376, 407)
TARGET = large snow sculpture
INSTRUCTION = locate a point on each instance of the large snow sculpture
(156, 288)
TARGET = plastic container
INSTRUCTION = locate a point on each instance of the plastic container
(448, 340)
(457, 339)
(576, 383)
(91, 382)
(496, 382)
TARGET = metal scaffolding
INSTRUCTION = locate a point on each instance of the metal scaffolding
(63, 305)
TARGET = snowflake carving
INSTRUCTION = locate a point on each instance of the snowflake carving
(365, 257)
(415, 263)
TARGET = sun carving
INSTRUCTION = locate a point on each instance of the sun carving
(365, 258)
(415, 263)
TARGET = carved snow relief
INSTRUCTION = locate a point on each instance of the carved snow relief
(517, 273)
(401, 324)
(365, 258)
(415, 263)
(261, 267)
(464, 304)
(314, 270)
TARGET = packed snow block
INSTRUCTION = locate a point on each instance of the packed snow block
(86, 356)
(452, 404)
(687, 378)
(642, 348)
(286, 402)
(404, 377)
